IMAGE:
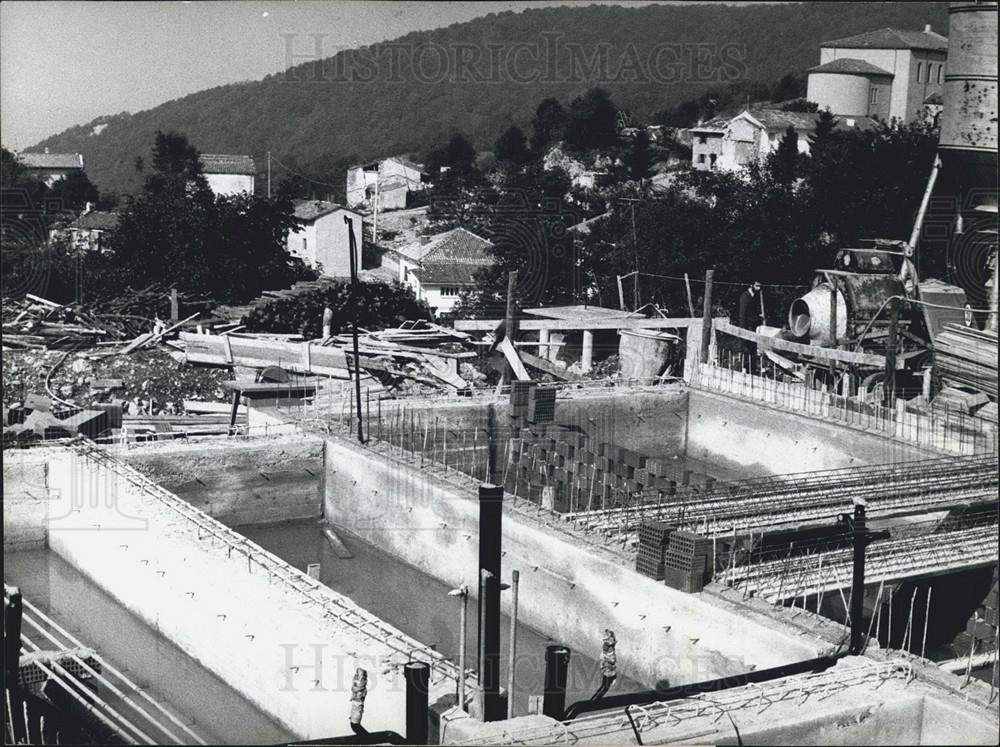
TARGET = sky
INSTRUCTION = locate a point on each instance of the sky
(66, 62)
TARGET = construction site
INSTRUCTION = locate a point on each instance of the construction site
(780, 535)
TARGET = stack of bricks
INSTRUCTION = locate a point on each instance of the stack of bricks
(688, 561)
(583, 474)
(653, 539)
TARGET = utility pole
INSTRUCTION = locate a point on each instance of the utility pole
(375, 213)
(890, 353)
(269, 175)
(509, 331)
(352, 244)
(635, 252)
(861, 538)
(706, 317)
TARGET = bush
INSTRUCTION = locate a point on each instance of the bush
(380, 305)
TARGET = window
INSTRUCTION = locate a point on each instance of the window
(449, 290)
(701, 158)
(920, 71)
(703, 139)
(713, 158)
(304, 246)
(940, 68)
(874, 96)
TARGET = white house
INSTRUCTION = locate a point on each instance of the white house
(323, 239)
(888, 73)
(51, 167)
(730, 144)
(227, 174)
(440, 267)
(395, 177)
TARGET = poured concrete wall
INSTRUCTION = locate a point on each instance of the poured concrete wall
(291, 658)
(766, 440)
(570, 590)
(25, 498)
(239, 482)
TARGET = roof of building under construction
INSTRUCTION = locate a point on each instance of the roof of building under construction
(889, 38)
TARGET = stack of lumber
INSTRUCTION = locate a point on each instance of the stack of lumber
(967, 357)
(421, 352)
(35, 323)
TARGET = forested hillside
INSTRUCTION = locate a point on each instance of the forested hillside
(482, 76)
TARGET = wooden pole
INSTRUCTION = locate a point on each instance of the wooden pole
(509, 330)
(462, 635)
(890, 353)
(352, 247)
(706, 318)
(175, 313)
(687, 289)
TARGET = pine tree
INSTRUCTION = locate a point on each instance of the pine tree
(511, 147)
(640, 157)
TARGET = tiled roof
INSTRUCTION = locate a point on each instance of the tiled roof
(96, 220)
(448, 273)
(219, 163)
(774, 119)
(457, 244)
(408, 163)
(888, 38)
(849, 66)
(51, 160)
(310, 210)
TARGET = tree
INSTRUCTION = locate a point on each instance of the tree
(458, 155)
(592, 121)
(791, 86)
(176, 232)
(826, 123)
(548, 125)
(800, 105)
(74, 191)
(783, 162)
(511, 147)
(640, 158)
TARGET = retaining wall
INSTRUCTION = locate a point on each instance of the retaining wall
(239, 482)
(25, 498)
(569, 590)
(289, 656)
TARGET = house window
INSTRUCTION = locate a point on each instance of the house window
(712, 159)
(701, 158)
(304, 245)
(703, 139)
(449, 290)
(940, 68)
(874, 96)
(920, 71)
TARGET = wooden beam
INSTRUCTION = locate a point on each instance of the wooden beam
(231, 350)
(510, 353)
(548, 367)
(488, 325)
(813, 351)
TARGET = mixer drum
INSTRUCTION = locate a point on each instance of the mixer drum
(810, 316)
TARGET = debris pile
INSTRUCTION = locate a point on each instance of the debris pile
(35, 323)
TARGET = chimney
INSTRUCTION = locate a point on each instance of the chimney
(927, 28)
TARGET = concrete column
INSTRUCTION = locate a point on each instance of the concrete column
(543, 349)
(587, 356)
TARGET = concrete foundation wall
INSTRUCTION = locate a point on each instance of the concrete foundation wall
(569, 590)
(765, 440)
(290, 657)
(25, 498)
(239, 482)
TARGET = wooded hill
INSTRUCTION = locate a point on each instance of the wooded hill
(403, 97)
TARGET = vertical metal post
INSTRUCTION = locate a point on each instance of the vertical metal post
(12, 635)
(417, 675)
(463, 627)
(490, 538)
(706, 317)
(556, 670)
(858, 579)
(352, 246)
(515, 580)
